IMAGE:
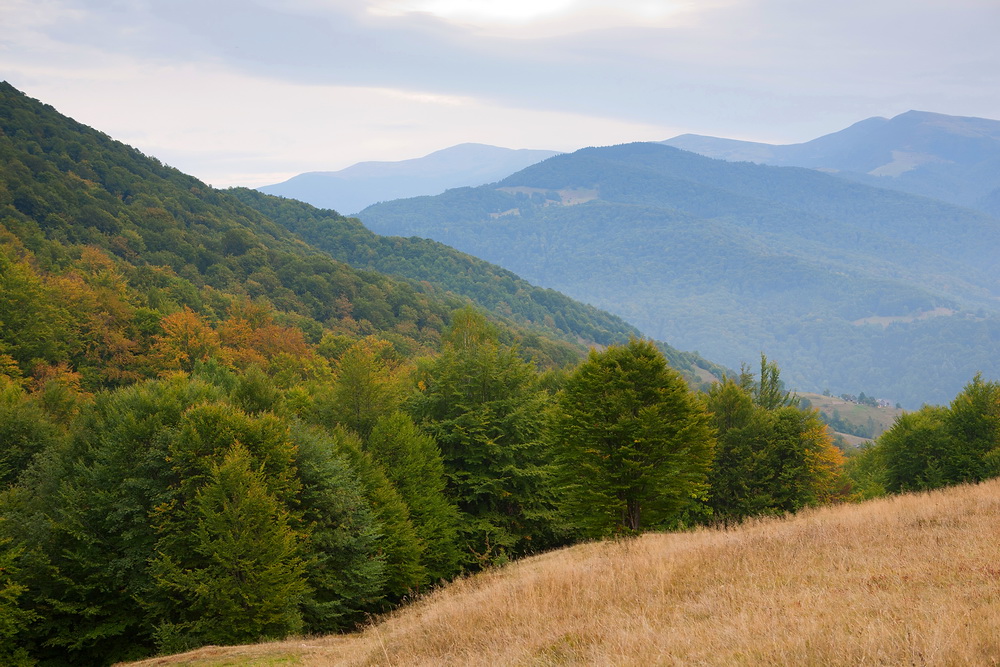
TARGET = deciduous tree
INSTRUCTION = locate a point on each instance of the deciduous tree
(635, 444)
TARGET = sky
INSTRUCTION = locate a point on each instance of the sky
(252, 92)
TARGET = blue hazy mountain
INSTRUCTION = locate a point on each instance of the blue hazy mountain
(952, 158)
(847, 286)
(352, 189)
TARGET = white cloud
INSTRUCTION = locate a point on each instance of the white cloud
(229, 128)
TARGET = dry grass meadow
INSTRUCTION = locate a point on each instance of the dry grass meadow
(908, 580)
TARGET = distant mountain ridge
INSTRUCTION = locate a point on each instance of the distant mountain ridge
(846, 286)
(952, 158)
(352, 189)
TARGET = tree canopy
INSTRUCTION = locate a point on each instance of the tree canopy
(634, 442)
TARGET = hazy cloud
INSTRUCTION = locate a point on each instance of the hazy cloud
(765, 69)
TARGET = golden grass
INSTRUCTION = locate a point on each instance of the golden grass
(908, 580)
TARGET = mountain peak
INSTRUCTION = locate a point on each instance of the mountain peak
(362, 184)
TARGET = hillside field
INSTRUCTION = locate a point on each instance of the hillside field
(879, 420)
(911, 579)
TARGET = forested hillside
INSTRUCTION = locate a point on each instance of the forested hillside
(489, 286)
(213, 432)
(846, 285)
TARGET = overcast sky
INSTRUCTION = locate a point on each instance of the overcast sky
(251, 92)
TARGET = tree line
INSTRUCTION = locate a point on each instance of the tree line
(258, 492)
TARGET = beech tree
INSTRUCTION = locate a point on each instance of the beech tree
(938, 446)
(398, 542)
(634, 443)
(413, 463)
(483, 406)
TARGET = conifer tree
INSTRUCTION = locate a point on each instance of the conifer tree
(242, 577)
(413, 463)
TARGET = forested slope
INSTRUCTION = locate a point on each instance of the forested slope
(850, 287)
(213, 432)
(489, 286)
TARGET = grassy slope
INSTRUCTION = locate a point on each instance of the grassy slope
(854, 413)
(911, 579)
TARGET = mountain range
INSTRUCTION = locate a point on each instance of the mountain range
(847, 286)
(352, 189)
(952, 158)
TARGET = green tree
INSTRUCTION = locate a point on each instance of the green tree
(938, 446)
(25, 430)
(367, 386)
(772, 455)
(346, 560)
(413, 463)
(14, 619)
(83, 517)
(768, 389)
(131, 488)
(398, 541)
(33, 324)
(635, 444)
(915, 450)
(973, 424)
(483, 406)
(243, 577)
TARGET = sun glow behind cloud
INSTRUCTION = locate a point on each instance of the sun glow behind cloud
(540, 17)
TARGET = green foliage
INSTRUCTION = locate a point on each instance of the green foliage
(33, 326)
(172, 243)
(345, 567)
(938, 446)
(915, 449)
(836, 279)
(14, 619)
(84, 513)
(772, 456)
(482, 404)
(240, 576)
(865, 471)
(635, 445)
(412, 461)
(398, 541)
(25, 430)
(367, 386)
(142, 531)
(490, 287)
